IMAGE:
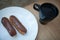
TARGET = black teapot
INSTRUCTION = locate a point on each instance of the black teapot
(47, 12)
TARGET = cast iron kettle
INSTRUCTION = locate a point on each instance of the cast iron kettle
(47, 12)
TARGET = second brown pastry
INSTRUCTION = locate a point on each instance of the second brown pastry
(18, 25)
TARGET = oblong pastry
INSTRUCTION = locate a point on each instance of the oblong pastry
(8, 26)
(18, 25)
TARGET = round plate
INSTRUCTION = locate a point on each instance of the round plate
(25, 17)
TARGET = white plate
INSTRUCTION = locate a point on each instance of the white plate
(27, 19)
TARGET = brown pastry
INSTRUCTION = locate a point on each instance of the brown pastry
(8, 26)
(18, 25)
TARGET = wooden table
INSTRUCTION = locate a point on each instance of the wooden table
(50, 31)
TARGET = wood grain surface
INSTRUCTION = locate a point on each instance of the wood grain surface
(50, 31)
